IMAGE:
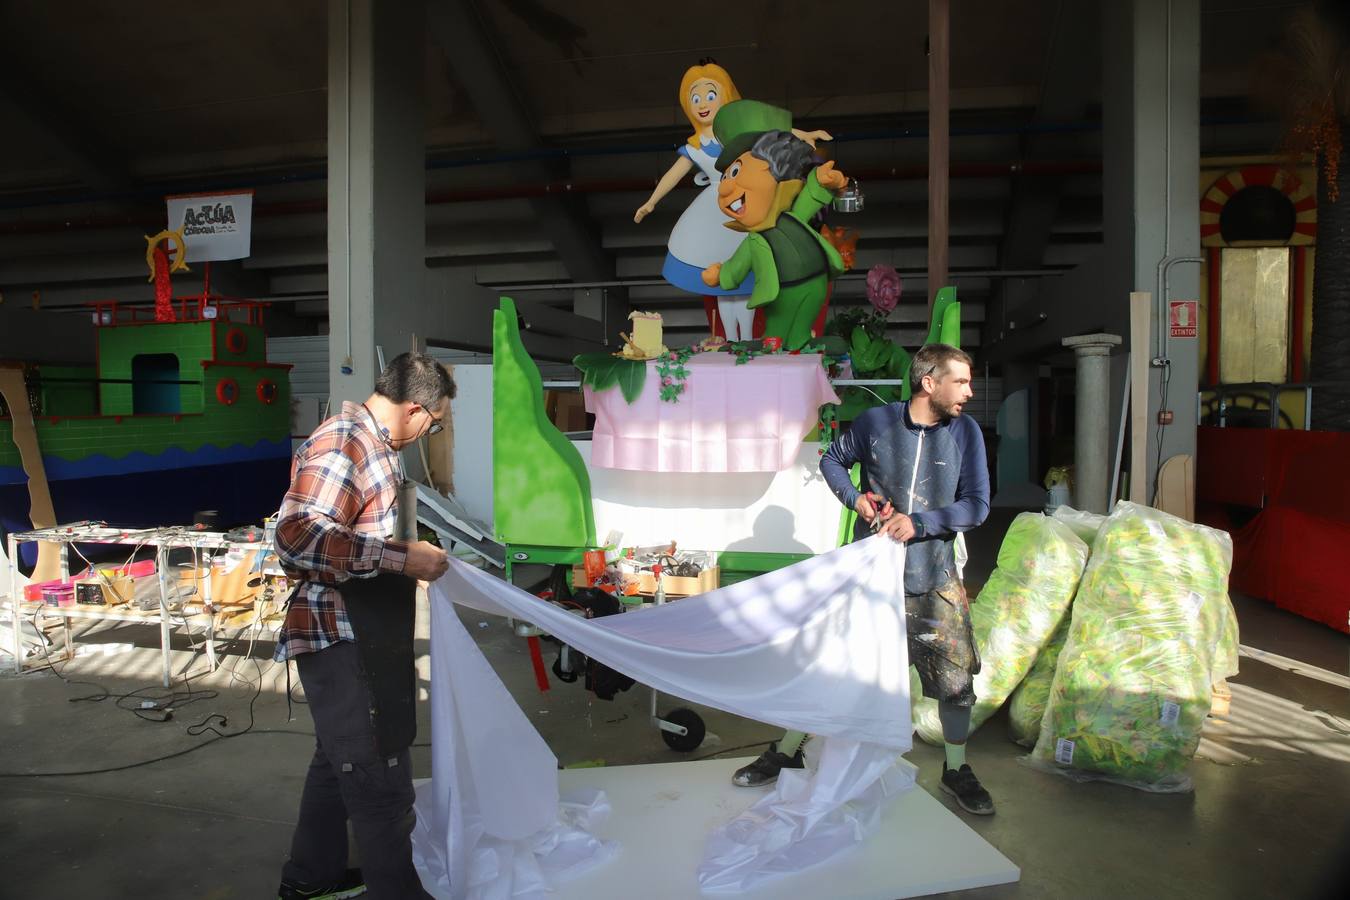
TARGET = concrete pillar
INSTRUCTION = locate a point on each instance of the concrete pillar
(1092, 448)
(377, 290)
(1150, 187)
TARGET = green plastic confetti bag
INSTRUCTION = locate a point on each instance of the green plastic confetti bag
(1132, 685)
(1027, 705)
(1226, 652)
(1084, 524)
(1016, 613)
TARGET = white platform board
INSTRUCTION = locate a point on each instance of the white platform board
(663, 814)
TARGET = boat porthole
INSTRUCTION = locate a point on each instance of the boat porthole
(267, 391)
(227, 391)
(236, 341)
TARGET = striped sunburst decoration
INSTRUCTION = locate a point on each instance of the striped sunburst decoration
(1222, 190)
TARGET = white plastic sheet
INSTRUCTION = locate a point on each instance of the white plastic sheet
(490, 823)
(818, 647)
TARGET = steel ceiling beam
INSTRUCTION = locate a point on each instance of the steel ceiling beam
(471, 48)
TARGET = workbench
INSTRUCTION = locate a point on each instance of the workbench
(163, 540)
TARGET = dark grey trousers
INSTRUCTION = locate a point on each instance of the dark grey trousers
(349, 780)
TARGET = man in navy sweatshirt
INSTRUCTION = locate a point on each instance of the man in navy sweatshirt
(924, 480)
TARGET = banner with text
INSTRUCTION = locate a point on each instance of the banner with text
(215, 226)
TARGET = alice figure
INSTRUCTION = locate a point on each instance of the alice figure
(699, 238)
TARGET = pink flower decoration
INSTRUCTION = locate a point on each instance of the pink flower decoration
(667, 382)
(883, 288)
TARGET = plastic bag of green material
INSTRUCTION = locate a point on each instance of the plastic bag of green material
(1017, 611)
(1132, 685)
(1027, 705)
(1084, 524)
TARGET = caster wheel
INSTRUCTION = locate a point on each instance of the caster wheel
(692, 722)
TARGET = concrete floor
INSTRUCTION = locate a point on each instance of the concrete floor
(1267, 819)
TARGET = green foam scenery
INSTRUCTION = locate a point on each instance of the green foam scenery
(943, 328)
(940, 326)
(541, 489)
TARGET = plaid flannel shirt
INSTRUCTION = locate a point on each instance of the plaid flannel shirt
(336, 522)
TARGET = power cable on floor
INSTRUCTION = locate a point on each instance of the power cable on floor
(162, 704)
(206, 725)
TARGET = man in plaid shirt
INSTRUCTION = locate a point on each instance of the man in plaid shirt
(337, 523)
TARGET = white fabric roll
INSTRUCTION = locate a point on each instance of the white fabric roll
(817, 647)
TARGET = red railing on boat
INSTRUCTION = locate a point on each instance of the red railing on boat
(205, 307)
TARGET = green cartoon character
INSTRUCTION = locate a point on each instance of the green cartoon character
(770, 189)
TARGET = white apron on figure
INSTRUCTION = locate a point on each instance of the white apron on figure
(700, 238)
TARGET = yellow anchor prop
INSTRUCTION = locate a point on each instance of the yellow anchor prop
(179, 263)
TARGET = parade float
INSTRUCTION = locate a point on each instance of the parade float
(181, 412)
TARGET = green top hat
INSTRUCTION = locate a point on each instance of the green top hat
(740, 123)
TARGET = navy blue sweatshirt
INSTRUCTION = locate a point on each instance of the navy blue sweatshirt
(943, 464)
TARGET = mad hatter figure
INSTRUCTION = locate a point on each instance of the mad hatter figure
(770, 189)
(699, 238)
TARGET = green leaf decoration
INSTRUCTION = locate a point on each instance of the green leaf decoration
(631, 378)
(898, 366)
(829, 344)
(875, 357)
(586, 361)
(672, 372)
(853, 401)
(858, 346)
(602, 371)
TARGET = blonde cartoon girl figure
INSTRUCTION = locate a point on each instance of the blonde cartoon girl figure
(700, 238)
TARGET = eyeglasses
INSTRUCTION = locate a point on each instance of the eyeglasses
(437, 425)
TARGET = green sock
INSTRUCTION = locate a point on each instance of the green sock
(790, 742)
(956, 755)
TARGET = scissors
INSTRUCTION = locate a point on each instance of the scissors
(880, 504)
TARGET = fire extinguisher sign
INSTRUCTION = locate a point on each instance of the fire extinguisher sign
(1183, 317)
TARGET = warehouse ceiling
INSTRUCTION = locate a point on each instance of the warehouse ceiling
(106, 107)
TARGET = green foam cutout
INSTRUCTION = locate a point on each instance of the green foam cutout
(946, 297)
(541, 489)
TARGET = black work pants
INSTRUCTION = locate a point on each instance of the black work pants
(349, 780)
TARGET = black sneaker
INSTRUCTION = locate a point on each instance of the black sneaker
(765, 769)
(966, 788)
(350, 885)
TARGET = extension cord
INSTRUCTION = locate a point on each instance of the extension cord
(150, 709)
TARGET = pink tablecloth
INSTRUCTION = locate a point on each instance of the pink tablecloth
(730, 418)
